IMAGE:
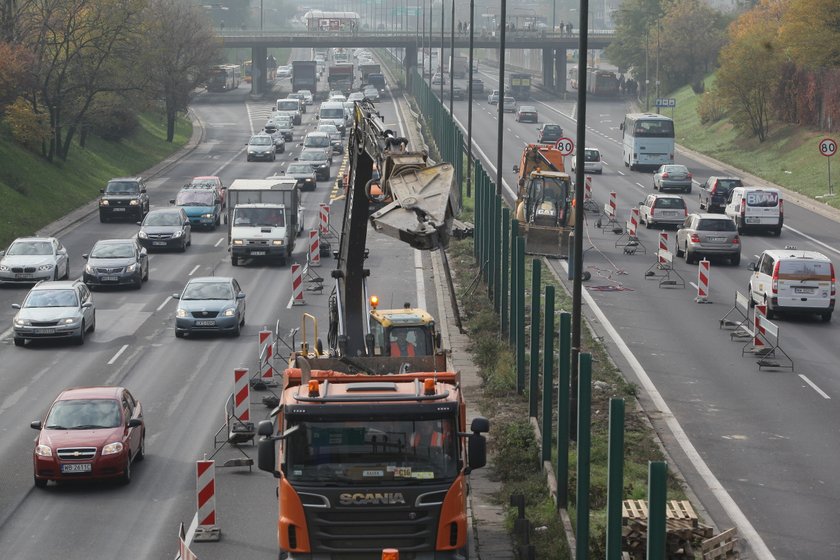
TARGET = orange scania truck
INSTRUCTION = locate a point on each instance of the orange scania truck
(366, 462)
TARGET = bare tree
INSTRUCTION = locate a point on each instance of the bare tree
(180, 47)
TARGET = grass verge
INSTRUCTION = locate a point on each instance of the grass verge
(36, 192)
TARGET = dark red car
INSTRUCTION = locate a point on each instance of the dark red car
(89, 433)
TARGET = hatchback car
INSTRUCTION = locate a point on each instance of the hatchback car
(662, 209)
(307, 96)
(55, 310)
(116, 262)
(509, 105)
(284, 71)
(549, 133)
(89, 433)
(303, 174)
(319, 140)
(260, 147)
(370, 92)
(708, 235)
(714, 192)
(201, 206)
(527, 113)
(283, 124)
(317, 158)
(124, 198)
(32, 259)
(210, 304)
(477, 86)
(213, 183)
(165, 228)
(790, 280)
(672, 176)
(335, 136)
(591, 161)
(493, 98)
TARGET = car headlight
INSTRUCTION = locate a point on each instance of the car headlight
(42, 450)
(131, 267)
(104, 202)
(69, 320)
(89, 269)
(21, 322)
(112, 448)
(142, 235)
(181, 313)
(178, 234)
(46, 267)
(252, 151)
(277, 242)
(4, 268)
(207, 216)
(323, 166)
(238, 242)
(134, 202)
(231, 312)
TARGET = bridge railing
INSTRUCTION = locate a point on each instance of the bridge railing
(411, 34)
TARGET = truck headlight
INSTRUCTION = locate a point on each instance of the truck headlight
(277, 242)
(238, 242)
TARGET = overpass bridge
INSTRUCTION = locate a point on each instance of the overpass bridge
(552, 44)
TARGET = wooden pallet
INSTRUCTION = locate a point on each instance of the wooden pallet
(721, 546)
(679, 511)
(682, 527)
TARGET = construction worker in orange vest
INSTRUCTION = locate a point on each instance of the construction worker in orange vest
(399, 345)
(425, 436)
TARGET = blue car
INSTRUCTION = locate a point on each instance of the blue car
(210, 304)
(203, 207)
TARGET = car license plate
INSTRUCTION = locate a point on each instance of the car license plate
(158, 243)
(23, 276)
(118, 209)
(205, 323)
(803, 290)
(46, 331)
(76, 467)
(257, 253)
(717, 239)
(110, 278)
(753, 220)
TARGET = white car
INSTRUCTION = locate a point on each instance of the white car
(493, 98)
(356, 96)
(31, 259)
(370, 92)
(789, 280)
(591, 161)
(509, 105)
(307, 96)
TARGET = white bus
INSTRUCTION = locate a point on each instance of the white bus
(648, 140)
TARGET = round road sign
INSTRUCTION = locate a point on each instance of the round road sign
(567, 146)
(828, 147)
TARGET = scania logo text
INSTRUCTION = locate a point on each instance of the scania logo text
(371, 498)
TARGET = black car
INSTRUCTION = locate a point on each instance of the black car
(125, 198)
(715, 192)
(317, 158)
(304, 174)
(166, 228)
(477, 87)
(116, 262)
(549, 133)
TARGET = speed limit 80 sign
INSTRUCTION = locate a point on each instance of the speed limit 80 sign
(828, 147)
(565, 145)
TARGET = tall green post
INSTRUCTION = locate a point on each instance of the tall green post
(520, 314)
(548, 373)
(492, 255)
(534, 380)
(497, 256)
(479, 219)
(514, 235)
(503, 308)
(657, 494)
(615, 478)
(563, 382)
(584, 443)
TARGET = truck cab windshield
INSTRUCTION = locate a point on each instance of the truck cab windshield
(373, 451)
(266, 217)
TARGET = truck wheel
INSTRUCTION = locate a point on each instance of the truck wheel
(234, 261)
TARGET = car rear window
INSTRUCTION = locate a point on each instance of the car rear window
(551, 129)
(726, 185)
(591, 155)
(762, 199)
(670, 203)
(804, 269)
(716, 225)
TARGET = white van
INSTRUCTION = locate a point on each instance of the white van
(333, 112)
(591, 161)
(756, 208)
(794, 281)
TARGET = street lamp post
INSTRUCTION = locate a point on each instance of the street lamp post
(451, 58)
(440, 60)
(470, 102)
(500, 140)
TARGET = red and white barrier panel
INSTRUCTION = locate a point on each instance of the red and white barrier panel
(663, 245)
(758, 329)
(241, 395)
(703, 270)
(266, 351)
(314, 248)
(610, 208)
(324, 219)
(184, 552)
(205, 491)
(297, 285)
(587, 192)
(633, 222)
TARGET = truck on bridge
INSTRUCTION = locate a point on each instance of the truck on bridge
(340, 77)
(305, 76)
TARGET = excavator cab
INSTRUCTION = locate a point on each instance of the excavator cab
(406, 332)
(543, 211)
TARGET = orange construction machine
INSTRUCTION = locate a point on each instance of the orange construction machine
(543, 201)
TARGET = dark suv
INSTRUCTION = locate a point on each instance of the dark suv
(715, 191)
(125, 198)
(549, 133)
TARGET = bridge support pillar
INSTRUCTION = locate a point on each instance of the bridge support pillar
(259, 71)
(548, 68)
(560, 70)
(410, 65)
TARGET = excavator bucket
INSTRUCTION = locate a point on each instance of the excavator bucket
(421, 212)
(545, 241)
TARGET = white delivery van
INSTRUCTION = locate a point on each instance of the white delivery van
(794, 281)
(756, 209)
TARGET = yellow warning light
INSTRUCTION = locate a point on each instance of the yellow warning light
(374, 301)
(429, 386)
(390, 554)
(314, 388)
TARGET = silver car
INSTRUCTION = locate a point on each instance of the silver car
(509, 105)
(672, 176)
(53, 310)
(706, 235)
(31, 259)
(210, 304)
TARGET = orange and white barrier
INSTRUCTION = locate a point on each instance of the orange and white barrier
(703, 269)
(611, 206)
(758, 329)
(587, 192)
(324, 219)
(241, 395)
(184, 552)
(266, 352)
(633, 223)
(297, 285)
(663, 245)
(205, 491)
(314, 248)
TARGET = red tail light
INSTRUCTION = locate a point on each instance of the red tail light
(736, 241)
(744, 207)
(833, 284)
(689, 175)
(695, 238)
(774, 286)
(665, 175)
(782, 208)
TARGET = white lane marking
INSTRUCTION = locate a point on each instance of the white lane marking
(118, 354)
(418, 278)
(814, 387)
(620, 172)
(809, 238)
(159, 307)
(641, 186)
(219, 242)
(196, 267)
(744, 526)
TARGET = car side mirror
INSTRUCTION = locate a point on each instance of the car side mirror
(240, 295)
(176, 296)
(87, 304)
(15, 306)
(143, 190)
(621, 126)
(85, 256)
(35, 425)
(101, 191)
(135, 423)
(753, 266)
(317, 117)
(139, 223)
(172, 201)
(516, 169)
(143, 252)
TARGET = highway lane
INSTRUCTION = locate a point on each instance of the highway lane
(762, 434)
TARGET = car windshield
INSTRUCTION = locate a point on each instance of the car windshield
(30, 248)
(716, 225)
(84, 414)
(288, 105)
(371, 451)
(526, 109)
(591, 155)
(552, 129)
(267, 217)
(112, 251)
(674, 169)
(670, 203)
(304, 168)
(51, 298)
(319, 141)
(261, 141)
(204, 183)
(162, 219)
(122, 187)
(312, 155)
(332, 113)
(207, 290)
(195, 197)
